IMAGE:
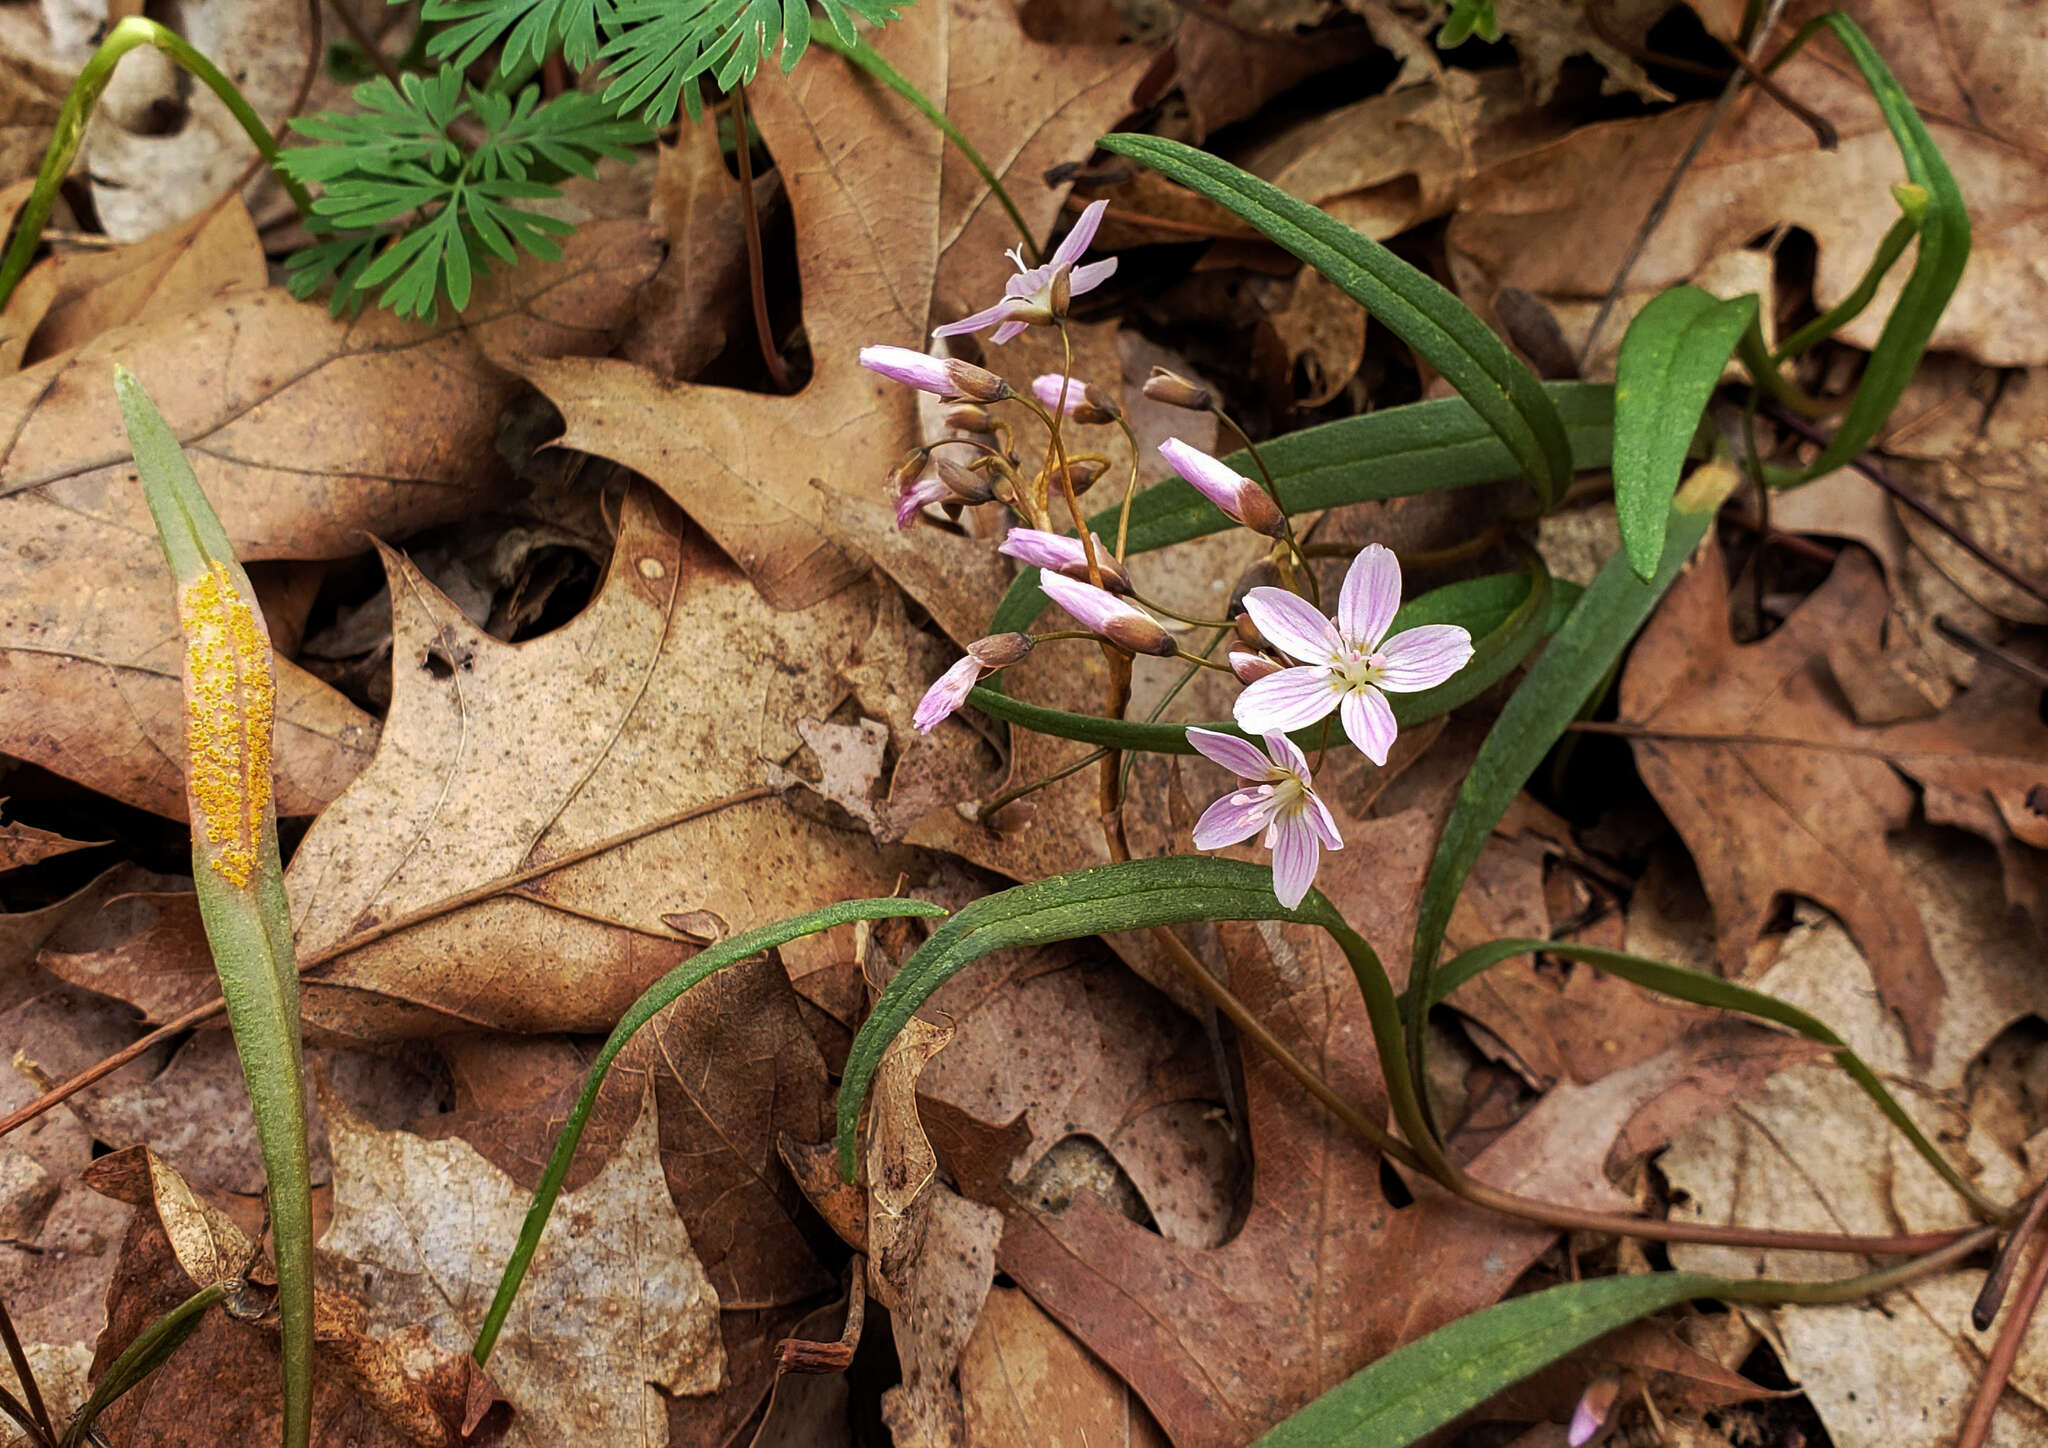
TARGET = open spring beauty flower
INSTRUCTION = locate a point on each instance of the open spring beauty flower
(946, 377)
(1274, 794)
(949, 691)
(1242, 501)
(1027, 297)
(1099, 611)
(1347, 663)
(1057, 553)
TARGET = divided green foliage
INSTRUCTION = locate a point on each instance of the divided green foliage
(1443, 331)
(402, 160)
(1670, 361)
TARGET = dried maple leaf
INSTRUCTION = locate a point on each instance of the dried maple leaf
(887, 218)
(306, 432)
(1777, 790)
(614, 1305)
(661, 700)
(1525, 223)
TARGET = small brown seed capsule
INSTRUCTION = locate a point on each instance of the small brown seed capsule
(1258, 512)
(1083, 474)
(977, 384)
(999, 651)
(970, 418)
(1062, 293)
(1176, 391)
(1248, 632)
(966, 484)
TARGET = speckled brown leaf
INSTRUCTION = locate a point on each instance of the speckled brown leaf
(306, 432)
(895, 233)
(664, 696)
(1776, 789)
(614, 1306)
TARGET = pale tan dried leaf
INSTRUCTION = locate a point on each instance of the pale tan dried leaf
(888, 217)
(615, 1305)
(1810, 1152)
(1024, 1379)
(306, 432)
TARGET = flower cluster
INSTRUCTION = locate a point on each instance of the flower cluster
(1304, 666)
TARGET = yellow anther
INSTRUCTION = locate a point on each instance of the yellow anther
(230, 703)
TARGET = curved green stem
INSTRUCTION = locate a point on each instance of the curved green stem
(1889, 250)
(863, 55)
(69, 133)
(139, 1359)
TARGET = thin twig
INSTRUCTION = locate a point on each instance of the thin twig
(2004, 1352)
(1871, 468)
(382, 931)
(1665, 197)
(750, 222)
(1990, 652)
(26, 1374)
(1992, 1296)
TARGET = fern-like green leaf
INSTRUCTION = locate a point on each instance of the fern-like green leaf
(660, 49)
(410, 212)
(526, 29)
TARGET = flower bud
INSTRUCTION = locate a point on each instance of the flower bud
(970, 417)
(1097, 406)
(1248, 632)
(1082, 474)
(1176, 391)
(967, 485)
(1240, 499)
(1123, 624)
(1057, 553)
(977, 384)
(946, 377)
(999, 651)
(1249, 667)
(1141, 634)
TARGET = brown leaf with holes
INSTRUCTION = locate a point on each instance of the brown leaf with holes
(307, 433)
(1525, 223)
(660, 700)
(1776, 789)
(895, 233)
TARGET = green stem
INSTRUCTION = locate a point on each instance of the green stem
(69, 133)
(1850, 307)
(863, 55)
(140, 1358)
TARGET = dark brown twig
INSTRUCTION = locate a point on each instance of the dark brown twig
(1985, 1311)
(2004, 1352)
(1868, 465)
(26, 1374)
(750, 222)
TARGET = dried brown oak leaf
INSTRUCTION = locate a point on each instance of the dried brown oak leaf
(614, 1307)
(894, 233)
(1969, 68)
(306, 432)
(662, 698)
(1777, 790)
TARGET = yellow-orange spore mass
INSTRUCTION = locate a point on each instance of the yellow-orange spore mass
(230, 702)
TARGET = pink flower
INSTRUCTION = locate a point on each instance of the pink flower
(1027, 297)
(1281, 800)
(1060, 394)
(914, 499)
(1099, 611)
(950, 690)
(1057, 553)
(946, 377)
(1347, 664)
(1242, 501)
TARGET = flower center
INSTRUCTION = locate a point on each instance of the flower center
(1285, 792)
(1356, 671)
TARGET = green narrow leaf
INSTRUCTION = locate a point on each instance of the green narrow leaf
(1131, 895)
(230, 700)
(148, 1352)
(1423, 447)
(1442, 330)
(1699, 988)
(657, 996)
(1506, 613)
(1574, 662)
(1671, 359)
(1943, 251)
(1418, 1388)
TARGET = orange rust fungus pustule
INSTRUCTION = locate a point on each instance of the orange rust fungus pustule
(230, 702)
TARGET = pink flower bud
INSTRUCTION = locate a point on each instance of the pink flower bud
(1243, 501)
(1057, 553)
(1250, 668)
(946, 377)
(914, 499)
(1099, 611)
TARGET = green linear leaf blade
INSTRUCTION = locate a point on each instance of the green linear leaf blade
(1443, 331)
(1418, 1388)
(1671, 360)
